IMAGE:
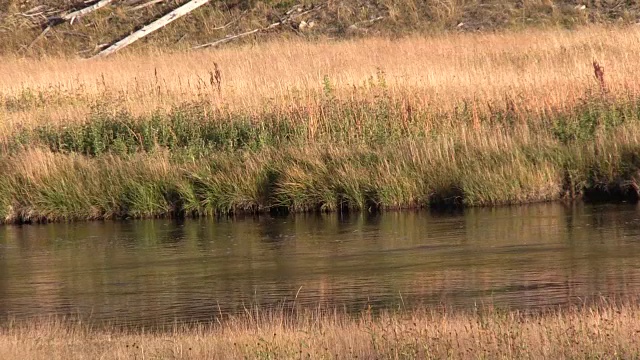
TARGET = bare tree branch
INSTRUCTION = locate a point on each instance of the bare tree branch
(82, 12)
(155, 25)
(149, 3)
(290, 15)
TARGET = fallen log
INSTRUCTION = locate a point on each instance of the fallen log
(150, 28)
(82, 12)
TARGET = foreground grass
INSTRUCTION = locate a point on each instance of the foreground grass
(596, 332)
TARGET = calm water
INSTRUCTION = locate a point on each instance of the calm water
(150, 272)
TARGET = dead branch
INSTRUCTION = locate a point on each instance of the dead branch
(148, 3)
(38, 9)
(227, 39)
(38, 16)
(42, 34)
(227, 24)
(77, 34)
(289, 17)
(82, 12)
(43, 16)
(153, 26)
(370, 21)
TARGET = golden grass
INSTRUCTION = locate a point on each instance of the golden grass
(466, 119)
(603, 332)
(538, 69)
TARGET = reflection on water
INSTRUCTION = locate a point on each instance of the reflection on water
(144, 272)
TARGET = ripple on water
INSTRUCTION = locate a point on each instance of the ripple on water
(150, 272)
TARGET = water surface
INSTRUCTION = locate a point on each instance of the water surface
(159, 271)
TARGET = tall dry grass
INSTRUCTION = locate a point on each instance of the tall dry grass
(598, 332)
(538, 69)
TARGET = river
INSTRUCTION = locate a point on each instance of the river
(150, 272)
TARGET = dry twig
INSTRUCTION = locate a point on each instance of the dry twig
(289, 16)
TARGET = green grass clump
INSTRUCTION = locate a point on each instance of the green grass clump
(201, 128)
(364, 154)
(42, 185)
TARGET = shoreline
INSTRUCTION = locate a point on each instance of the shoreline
(75, 188)
(192, 164)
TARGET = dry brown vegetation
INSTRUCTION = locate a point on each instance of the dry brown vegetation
(534, 69)
(22, 21)
(600, 332)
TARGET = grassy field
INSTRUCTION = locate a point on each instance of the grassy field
(369, 124)
(596, 332)
(533, 70)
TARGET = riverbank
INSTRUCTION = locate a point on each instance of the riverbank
(600, 331)
(449, 120)
(334, 155)
(476, 169)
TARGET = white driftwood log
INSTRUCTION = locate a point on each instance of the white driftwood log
(147, 4)
(150, 28)
(89, 9)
